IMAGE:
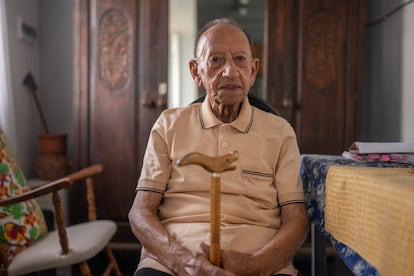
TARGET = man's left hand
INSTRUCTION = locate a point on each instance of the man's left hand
(238, 263)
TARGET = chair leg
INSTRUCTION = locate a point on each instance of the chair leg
(113, 264)
(84, 269)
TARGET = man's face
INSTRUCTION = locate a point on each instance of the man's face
(224, 66)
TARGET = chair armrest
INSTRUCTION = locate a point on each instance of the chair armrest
(53, 188)
(56, 185)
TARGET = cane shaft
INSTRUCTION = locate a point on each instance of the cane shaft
(214, 165)
(215, 219)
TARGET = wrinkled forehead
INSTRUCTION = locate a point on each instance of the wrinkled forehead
(223, 38)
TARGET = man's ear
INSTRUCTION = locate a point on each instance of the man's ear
(194, 71)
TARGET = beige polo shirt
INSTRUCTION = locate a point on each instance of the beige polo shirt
(266, 177)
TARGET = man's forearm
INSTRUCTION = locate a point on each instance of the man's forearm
(279, 251)
(158, 244)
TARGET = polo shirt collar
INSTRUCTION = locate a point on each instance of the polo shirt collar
(243, 122)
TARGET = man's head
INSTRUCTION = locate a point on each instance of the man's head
(224, 63)
(213, 22)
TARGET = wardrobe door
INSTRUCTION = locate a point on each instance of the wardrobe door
(314, 58)
(121, 71)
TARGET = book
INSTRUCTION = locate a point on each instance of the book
(405, 158)
(381, 147)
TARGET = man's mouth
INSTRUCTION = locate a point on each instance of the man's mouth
(230, 86)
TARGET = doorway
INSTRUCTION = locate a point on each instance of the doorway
(185, 18)
(250, 15)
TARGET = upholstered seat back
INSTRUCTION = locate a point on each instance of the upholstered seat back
(21, 223)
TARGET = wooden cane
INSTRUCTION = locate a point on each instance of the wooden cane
(214, 165)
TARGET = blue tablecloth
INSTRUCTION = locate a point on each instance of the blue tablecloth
(314, 169)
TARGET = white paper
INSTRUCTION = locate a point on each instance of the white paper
(382, 147)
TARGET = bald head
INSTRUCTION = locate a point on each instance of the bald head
(215, 22)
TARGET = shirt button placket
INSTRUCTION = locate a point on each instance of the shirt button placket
(224, 136)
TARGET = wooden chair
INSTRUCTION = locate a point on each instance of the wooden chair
(66, 246)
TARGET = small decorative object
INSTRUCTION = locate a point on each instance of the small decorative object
(52, 161)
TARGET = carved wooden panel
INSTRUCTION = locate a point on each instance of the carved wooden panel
(115, 49)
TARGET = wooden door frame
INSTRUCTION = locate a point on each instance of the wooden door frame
(81, 77)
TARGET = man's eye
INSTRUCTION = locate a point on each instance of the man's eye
(215, 59)
(240, 58)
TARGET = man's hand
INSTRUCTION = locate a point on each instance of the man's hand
(239, 263)
(277, 253)
(201, 266)
(162, 247)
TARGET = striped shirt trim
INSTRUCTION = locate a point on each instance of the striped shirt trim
(146, 189)
(258, 173)
(292, 201)
(200, 115)
(249, 126)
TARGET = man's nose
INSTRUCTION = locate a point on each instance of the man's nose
(230, 69)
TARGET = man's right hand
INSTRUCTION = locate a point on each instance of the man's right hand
(199, 265)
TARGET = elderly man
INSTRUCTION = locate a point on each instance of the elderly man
(263, 220)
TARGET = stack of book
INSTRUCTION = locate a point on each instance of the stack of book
(381, 152)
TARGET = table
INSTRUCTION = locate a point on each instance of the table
(314, 172)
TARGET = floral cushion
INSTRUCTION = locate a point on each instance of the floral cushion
(20, 223)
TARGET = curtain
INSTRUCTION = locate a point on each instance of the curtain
(7, 121)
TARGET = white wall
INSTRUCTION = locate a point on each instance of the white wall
(56, 66)
(49, 59)
(389, 69)
(24, 57)
(407, 118)
(183, 29)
